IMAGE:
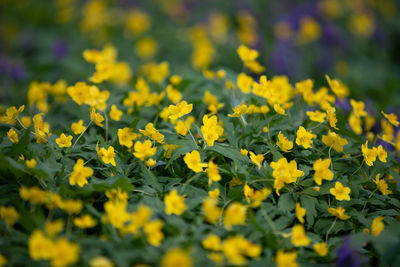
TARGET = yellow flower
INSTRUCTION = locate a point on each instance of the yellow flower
(244, 152)
(212, 242)
(381, 153)
(355, 124)
(239, 110)
(153, 232)
(77, 127)
(321, 249)
(244, 82)
(316, 116)
(64, 253)
(116, 214)
(335, 141)
(256, 159)
(146, 48)
(299, 238)
(304, 137)
(235, 214)
(377, 226)
(265, 129)
(214, 194)
(300, 212)
(236, 248)
(144, 150)
(40, 247)
(100, 261)
(11, 115)
(85, 221)
(3, 260)
(174, 95)
(64, 141)
(322, 171)
(9, 214)
(169, 149)
(80, 174)
(255, 197)
(284, 173)
(339, 212)
(151, 162)
(52, 228)
(176, 257)
(175, 79)
(211, 130)
(330, 113)
(340, 192)
(126, 137)
(358, 108)
(174, 204)
(211, 211)
(247, 54)
(279, 109)
(392, 118)
(369, 154)
(79, 92)
(115, 113)
(193, 161)
(26, 121)
(108, 155)
(182, 127)
(284, 143)
(382, 185)
(179, 110)
(339, 88)
(30, 163)
(97, 118)
(212, 172)
(286, 259)
(32, 194)
(71, 206)
(13, 136)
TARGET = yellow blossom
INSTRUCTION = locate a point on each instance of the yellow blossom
(176, 257)
(144, 150)
(115, 113)
(358, 108)
(214, 194)
(85, 221)
(335, 141)
(153, 232)
(284, 173)
(174, 204)
(126, 137)
(279, 109)
(235, 214)
(175, 79)
(11, 115)
(377, 226)
(40, 247)
(210, 210)
(256, 159)
(77, 127)
(339, 88)
(64, 253)
(244, 152)
(381, 153)
(183, 127)
(321, 249)
(52, 228)
(97, 118)
(300, 212)
(212, 242)
(64, 141)
(211, 130)
(369, 154)
(382, 185)
(152, 133)
(330, 113)
(30, 163)
(146, 48)
(9, 214)
(151, 162)
(286, 259)
(108, 155)
(179, 110)
(304, 137)
(212, 172)
(255, 197)
(246, 54)
(244, 82)
(322, 171)
(100, 261)
(32, 194)
(71, 206)
(237, 248)
(340, 192)
(13, 136)
(116, 214)
(239, 110)
(284, 143)
(299, 238)
(174, 95)
(80, 174)
(169, 149)
(193, 161)
(316, 116)
(392, 118)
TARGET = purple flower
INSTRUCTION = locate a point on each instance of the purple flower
(343, 104)
(348, 256)
(59, 49)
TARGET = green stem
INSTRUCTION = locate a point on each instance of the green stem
(79, 137)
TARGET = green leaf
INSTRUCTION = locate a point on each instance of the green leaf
(286, 202)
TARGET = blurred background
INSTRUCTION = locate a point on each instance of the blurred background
(356, 41)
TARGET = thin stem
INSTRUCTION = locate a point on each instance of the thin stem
(79, 137)
(362, 163)
(194, 141)
(330, 229)
(189, 181)
(329, 153)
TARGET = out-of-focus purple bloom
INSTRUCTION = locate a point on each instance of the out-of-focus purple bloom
(348, 256)
(343, 104)
(18, 72)
(59, 49)
(284, 59)
(5, 65)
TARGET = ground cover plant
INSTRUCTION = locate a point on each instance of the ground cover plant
(219, 168)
